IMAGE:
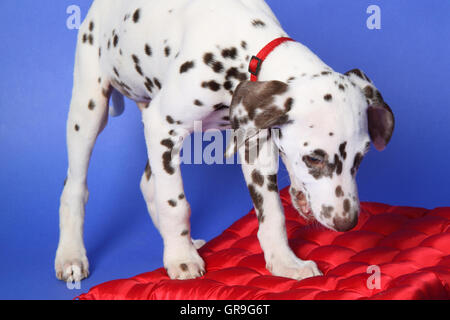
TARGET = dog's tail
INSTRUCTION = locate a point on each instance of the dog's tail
(118, 104)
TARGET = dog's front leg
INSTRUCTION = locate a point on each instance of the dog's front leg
(260, 171)
(164, 140)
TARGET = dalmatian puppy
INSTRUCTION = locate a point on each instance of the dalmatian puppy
(184, 61)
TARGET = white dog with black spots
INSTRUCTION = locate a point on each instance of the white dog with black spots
(184, 61)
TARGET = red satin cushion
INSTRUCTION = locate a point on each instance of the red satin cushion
(410, 245)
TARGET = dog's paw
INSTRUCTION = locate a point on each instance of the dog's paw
(71, 269)
(294, 268)
(186, 266)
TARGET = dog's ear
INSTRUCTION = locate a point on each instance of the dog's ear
(257, 106)
(380, 117)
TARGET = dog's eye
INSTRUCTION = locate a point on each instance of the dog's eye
(314, 161)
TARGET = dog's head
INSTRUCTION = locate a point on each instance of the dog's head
(326, 123)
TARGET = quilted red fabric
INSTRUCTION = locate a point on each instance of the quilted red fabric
(411, 246)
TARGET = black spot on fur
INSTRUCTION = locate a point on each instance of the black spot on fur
(91, 105)
(338, 164)
(116, 72)
(229, 53)
(185, 67)
(258, 23)
(157, 83)
(212, 85)
(220, 106)
(228, 85)
(170, 120)
(148, 171)
(341, 87)
(198, 103)
(236, 74)
(342, 150)
(115, 40)
(167, 51)
(136, 16)
(139, 69)
(148, 50)
(172, 203)
(244, 45)
(149, 84)
(181, 196)
(91, 26)
(328, 97)
(135, 59)
(77, 127)
(210, 61)
(184, 233)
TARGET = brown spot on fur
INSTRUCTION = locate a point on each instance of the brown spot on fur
(185, 233)
(328, 97)
(273, 183)
(369, 92)
(324, 168)
(339, 192)
(257, 178)
(326, 211)
(258, 201)
(181, 196)
(260, 96)
(356, 163)
(167, 143)
(184, 267)
(288, 104)
(148, 171)
(346, 205)
(77, 127)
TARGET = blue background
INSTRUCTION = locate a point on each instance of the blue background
(408, 59)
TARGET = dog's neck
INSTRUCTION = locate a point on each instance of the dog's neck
(290, 60)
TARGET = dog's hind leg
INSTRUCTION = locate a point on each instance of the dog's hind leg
(88, 116)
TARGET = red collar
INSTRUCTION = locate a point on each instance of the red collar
(257, 61)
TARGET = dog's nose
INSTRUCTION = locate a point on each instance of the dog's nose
(345, 224)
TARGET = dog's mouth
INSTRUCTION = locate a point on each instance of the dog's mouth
(302, 204)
